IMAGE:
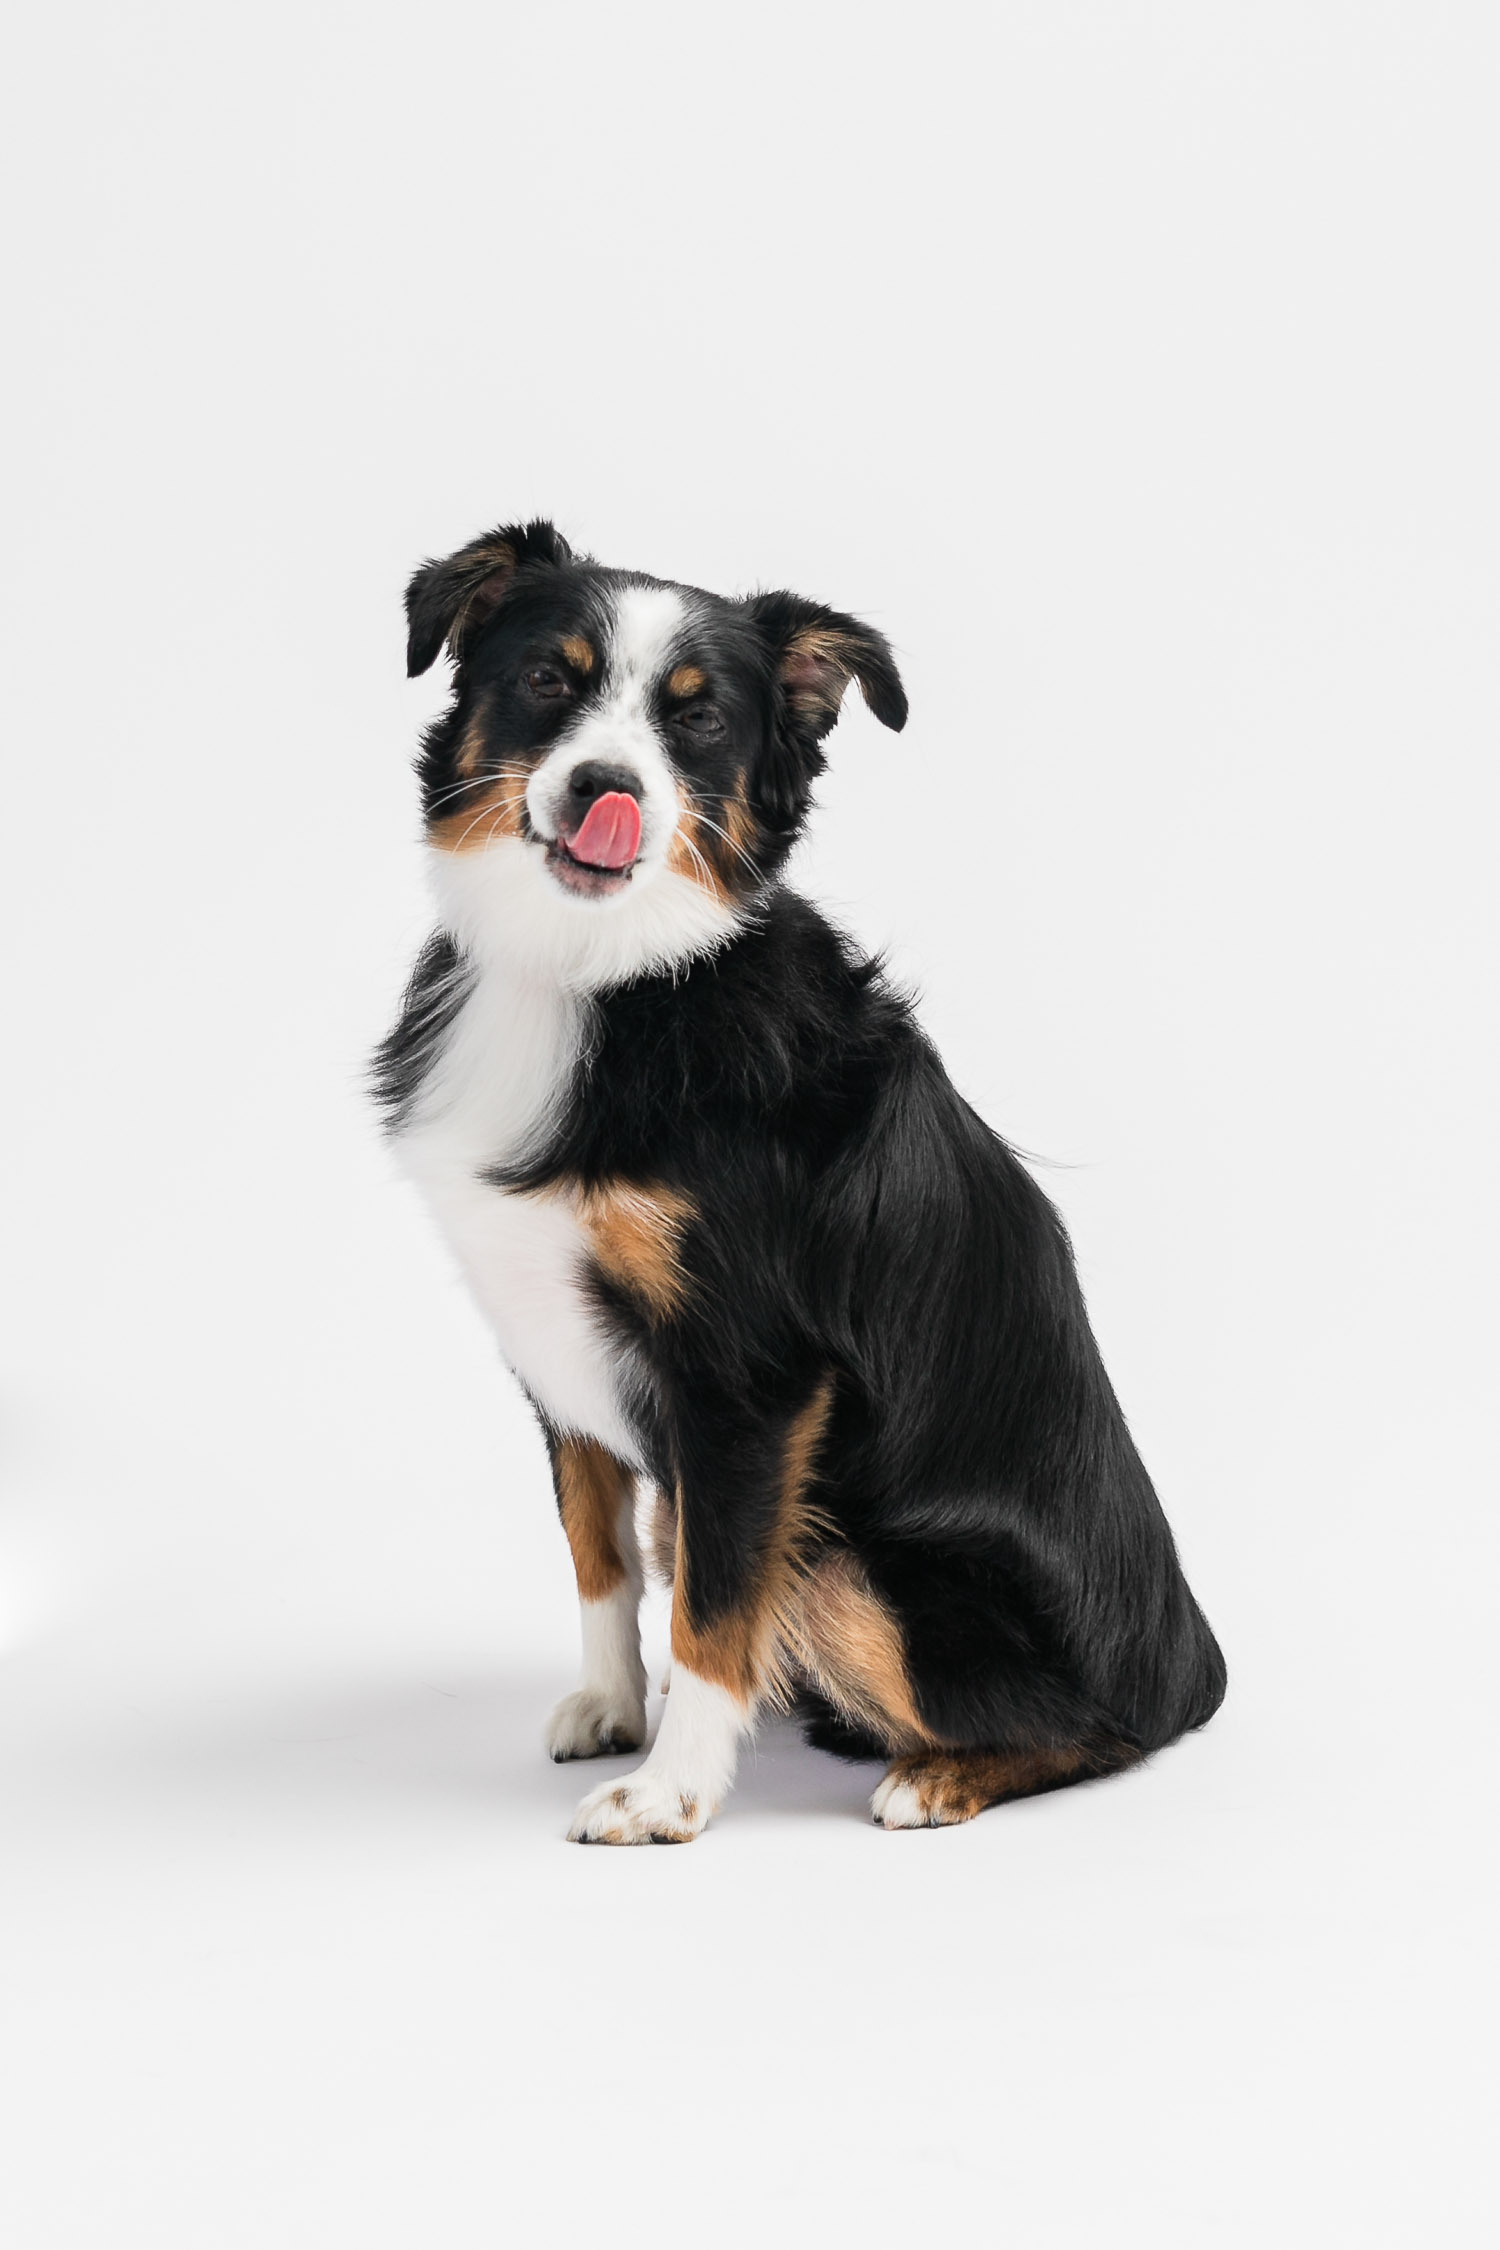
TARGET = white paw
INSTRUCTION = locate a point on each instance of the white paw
(590, 1723)
(896, 1804)
(645, 1808)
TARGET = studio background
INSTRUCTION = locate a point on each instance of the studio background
(1133, 367)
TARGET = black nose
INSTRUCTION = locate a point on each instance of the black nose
(594, 779)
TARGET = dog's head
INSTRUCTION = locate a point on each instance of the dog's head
(621, 750)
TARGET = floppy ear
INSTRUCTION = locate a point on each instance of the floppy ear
(449, 601)
(818, 652)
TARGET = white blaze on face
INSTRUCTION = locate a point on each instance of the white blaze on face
(503, 904)
(618, 729)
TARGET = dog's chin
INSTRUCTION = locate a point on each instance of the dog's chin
(583, 881)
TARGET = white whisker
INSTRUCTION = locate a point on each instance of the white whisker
(478, 781)
(708, 884)
(738, 849)
(494, 813)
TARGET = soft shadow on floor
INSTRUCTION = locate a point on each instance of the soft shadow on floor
(473, 1743)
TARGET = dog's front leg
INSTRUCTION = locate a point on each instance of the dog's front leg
(596, 1500)
(745, 1522)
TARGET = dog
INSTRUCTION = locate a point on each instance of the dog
(740, 1239)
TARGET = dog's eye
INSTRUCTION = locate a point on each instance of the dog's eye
(542, 680)
(701, 721)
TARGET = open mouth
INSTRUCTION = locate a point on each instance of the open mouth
(600, 855)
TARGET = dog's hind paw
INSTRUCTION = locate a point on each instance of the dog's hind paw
(930, 1792)
(896, 1804)
(591, 1724)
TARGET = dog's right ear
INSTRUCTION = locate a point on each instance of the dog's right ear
(449, 601)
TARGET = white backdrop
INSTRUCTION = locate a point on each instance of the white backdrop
(1134, 367)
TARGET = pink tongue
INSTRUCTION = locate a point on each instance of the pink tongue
(611, 834)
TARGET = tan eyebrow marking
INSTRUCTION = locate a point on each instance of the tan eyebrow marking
(686, 680)
(578, 652)
(742, 1650)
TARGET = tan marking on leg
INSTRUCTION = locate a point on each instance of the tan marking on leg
(593, 1491)
(953, 1785)
(686, 680)
(851, 1648)
(746, 1651)
(636, 1234)
(495, 812)
(578, 652)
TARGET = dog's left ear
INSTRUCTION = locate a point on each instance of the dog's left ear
(449, 601)
(817, 653)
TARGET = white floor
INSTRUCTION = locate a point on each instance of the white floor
(295, 1953)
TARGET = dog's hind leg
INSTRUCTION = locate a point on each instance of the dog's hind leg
(596, 1500)
(859, 1700)
(940, 1788)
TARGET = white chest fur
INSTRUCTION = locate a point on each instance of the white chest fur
(506, 1062)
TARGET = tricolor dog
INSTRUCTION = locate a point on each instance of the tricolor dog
(755, 1262)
